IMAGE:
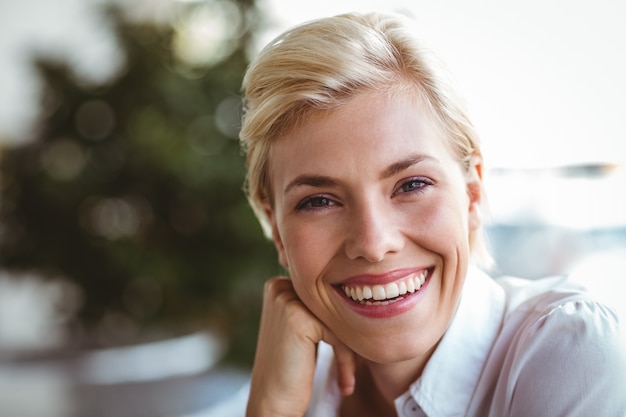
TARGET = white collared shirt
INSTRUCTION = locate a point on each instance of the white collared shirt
(515, 348)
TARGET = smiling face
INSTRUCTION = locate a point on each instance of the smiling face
(371, 214)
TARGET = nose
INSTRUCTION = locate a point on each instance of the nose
(372, 233)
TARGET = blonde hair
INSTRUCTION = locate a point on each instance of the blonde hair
(322, 64)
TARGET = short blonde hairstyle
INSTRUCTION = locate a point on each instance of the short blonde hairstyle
(321, 65)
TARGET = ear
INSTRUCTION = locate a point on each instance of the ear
(278, 241)
(475, 191)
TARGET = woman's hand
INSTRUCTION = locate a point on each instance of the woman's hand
(284, 365)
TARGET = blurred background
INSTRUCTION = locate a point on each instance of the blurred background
(131, 266)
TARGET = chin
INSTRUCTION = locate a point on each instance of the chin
(386, 353)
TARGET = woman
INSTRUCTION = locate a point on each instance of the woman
(367, 174)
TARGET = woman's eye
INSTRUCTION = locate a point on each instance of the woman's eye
(314, 203)
(414, 184)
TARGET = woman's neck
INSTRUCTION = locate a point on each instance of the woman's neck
(378, 385)
(394, 379)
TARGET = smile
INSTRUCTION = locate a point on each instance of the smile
(374, 295)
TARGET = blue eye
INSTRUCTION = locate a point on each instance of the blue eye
(314, 203)
(414, 185)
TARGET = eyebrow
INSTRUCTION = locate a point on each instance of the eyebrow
(405, 163)
(311, 181)
(325, 181)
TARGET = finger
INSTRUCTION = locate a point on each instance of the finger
(284, 366)
(346, 363)
(346, 367)
(277, 285)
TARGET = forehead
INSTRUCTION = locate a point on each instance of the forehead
(371, 129)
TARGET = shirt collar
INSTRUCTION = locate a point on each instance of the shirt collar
(448, 381)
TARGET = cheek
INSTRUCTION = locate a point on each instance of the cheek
(307, 250)
(443, 225)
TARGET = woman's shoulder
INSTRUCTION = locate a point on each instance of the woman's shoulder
(557, 312)
(540, 294)
(565, 348)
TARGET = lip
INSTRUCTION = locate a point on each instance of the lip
(397, 307)
(381, 279)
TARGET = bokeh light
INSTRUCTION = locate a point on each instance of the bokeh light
(208, 33)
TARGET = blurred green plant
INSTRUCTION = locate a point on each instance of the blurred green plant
(132, 190)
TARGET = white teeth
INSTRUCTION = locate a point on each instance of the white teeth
(386, 294)
(410, 286)
(402, 288)
(367, 293)
(392, 290)
(378, 292)
(380, 303)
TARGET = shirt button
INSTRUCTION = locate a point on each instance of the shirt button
(411, 409)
